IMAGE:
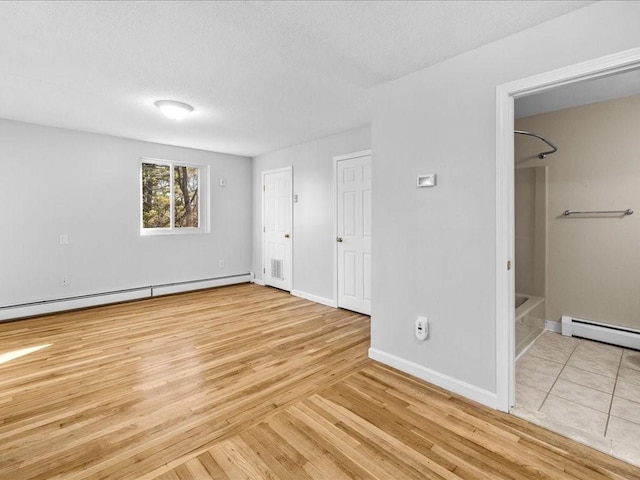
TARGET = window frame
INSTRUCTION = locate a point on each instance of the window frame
(203, 198)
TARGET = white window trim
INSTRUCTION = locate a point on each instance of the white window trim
(203, 199)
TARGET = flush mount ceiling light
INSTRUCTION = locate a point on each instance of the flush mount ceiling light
(174, 110)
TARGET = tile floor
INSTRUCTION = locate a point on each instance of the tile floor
(585, 390)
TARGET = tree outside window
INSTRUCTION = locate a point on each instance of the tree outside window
(170, 196)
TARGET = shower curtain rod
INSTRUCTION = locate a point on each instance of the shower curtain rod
(543, 154)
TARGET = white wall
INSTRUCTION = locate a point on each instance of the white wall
(313, 227)
(58, 181)
(436, 247)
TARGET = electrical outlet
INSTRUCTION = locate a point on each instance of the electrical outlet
(64, 282)
(221, 263)
(422, 328)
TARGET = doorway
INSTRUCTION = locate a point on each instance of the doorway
(353, 231)
(277, 223)
(505, 228)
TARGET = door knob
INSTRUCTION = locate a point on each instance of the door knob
(339, 239)
(286, 235)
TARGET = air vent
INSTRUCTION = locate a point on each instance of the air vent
(276, 269)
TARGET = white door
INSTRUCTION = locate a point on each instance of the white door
(353, 178)
(277, 207)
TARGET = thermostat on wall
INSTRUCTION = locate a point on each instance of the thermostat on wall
(428, 180)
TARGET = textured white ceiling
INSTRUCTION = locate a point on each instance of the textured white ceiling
(261, 75)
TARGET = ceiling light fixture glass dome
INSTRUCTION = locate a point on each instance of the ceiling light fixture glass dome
(173, 109)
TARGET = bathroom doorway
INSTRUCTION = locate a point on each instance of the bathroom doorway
(575, 249)
(575, 233)
(505, 228)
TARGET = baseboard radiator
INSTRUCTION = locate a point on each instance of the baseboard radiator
(613, 334)
(30, 309)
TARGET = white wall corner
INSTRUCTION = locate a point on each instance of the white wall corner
(490, 399)
(315, 298)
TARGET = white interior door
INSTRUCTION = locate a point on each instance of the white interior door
(277, 208)
(353, 177)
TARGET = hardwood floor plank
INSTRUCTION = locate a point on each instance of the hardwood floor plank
(283, 459)
(235, 464)
(246, 382)
(313, 449)
(376, 445)
(132, 378)
(211, 467)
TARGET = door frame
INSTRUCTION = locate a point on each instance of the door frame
(262, 248)
(505, 220)
(340, 158)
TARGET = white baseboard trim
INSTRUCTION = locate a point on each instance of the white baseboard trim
(200, 284)
(553, 326)
(73, 303)
(315, 298)
(30, 309)
(467, 390)
(258, 281)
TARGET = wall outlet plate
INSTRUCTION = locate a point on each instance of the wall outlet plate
(421, 330)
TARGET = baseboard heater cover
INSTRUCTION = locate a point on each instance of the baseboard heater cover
(31, 309)
(188, 286)
(601, 332)
(42, 307)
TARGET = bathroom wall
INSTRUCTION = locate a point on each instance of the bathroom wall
(531, 229)
(594, 262)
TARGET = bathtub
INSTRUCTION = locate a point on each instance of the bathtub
(530, 320)
(520, 300)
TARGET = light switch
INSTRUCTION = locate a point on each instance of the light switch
(64, 239)
(222, 182)
(428, 180)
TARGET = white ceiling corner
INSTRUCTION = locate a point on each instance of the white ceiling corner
(261, 75)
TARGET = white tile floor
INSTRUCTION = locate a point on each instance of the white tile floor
(584, 390)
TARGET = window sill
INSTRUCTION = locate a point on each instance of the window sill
(152, 232)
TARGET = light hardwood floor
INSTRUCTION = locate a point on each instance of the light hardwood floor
(246, 382)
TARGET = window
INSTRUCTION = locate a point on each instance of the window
(171, 196)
